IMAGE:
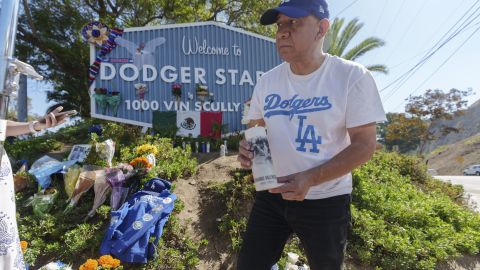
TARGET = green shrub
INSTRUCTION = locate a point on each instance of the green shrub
(32, 148)
(397, 226)
(74, 134)
(122, 134)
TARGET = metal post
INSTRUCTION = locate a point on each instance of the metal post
(8, 31)
(22, 99)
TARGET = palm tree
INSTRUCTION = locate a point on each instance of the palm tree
(338, 39)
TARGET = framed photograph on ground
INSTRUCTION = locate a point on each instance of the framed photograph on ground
(79, 152)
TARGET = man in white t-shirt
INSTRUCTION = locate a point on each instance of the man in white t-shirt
(320, 112)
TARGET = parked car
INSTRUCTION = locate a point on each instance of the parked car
(432, 172)
(472, 170)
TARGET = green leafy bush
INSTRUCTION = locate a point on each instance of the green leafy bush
(32, 148)
(122, 134)
(397, 226)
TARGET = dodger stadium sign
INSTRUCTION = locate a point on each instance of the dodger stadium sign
(226, 62)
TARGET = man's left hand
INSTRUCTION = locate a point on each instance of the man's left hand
(296, 186)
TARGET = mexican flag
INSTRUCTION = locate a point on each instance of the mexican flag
(205, 124)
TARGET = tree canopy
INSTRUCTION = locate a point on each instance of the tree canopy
(414, 128)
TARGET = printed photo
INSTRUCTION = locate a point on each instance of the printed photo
(261, 150)
(79, 152)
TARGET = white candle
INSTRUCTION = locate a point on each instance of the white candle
(262, 166)
(222, 150)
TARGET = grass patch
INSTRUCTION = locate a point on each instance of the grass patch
(472, 140)
(438, 150)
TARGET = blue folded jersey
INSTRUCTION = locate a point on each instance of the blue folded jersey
(138, 221)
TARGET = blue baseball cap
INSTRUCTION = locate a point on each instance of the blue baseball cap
(296, 9)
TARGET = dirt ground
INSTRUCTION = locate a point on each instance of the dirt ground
(201, 214)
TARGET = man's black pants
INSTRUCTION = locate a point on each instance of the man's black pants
(321, 225)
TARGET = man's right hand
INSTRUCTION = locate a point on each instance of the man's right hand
(245, 155)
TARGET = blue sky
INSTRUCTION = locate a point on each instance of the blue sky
(410, 28)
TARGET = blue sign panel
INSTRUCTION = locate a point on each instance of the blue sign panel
(215, 67)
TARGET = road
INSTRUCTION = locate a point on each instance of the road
(471, 185)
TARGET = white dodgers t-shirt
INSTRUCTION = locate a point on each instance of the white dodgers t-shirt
(307, 116)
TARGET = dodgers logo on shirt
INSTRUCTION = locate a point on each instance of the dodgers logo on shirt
(300, 107)
(275, 105)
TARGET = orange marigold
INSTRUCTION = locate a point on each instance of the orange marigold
(107, 261)
(24, 245)
(90, 264)
(140, 162)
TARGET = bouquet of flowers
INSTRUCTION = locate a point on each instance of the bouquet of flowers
(86, 180)
(101, 189)
(141, 164)
(70, 179)
(201, 90)
(177, 90)
(141, 89)
(104, 262)
(42, 202)
(106, 151)
(56, 266)
(149, 151)
(146, 149)
(116, 178)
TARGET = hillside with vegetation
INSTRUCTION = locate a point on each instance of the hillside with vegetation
(453, 158)
(467, 124)
(402, 218)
